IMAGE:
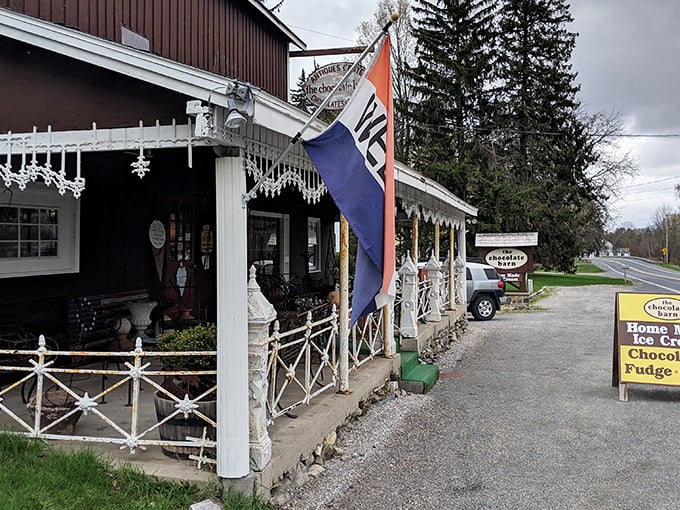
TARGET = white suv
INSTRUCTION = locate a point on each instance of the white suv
(485, 290)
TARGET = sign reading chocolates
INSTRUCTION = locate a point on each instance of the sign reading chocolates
(647, 338)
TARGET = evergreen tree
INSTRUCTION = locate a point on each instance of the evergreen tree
(544, 141)
(452, 97)
(298, 97)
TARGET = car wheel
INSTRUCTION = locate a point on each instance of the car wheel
(483, 308)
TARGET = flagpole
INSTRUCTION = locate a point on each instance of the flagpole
(383, 33)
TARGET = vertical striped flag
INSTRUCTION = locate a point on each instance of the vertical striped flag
(355, 158)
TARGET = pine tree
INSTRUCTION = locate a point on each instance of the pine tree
(452, 96)
(298, 97)
(543, 138)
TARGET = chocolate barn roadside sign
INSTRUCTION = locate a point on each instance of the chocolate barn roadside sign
(646, 340)
(511, 254)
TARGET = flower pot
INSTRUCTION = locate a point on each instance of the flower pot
(179, 427)
(55, 404)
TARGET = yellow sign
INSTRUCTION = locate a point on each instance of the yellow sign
(647, 338)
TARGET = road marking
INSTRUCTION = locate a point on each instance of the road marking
(640, 279)
(659, 274)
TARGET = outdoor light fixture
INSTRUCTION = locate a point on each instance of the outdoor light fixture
(219, 121)
(234, 118)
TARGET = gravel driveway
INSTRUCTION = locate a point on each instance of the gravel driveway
(524, 417)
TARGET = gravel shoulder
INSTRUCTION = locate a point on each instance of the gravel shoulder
(525, 417)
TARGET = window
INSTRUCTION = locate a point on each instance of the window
(38, 233)
(314, 244)
(268, 235)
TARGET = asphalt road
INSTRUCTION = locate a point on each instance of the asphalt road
(524, 417)
(648, 277)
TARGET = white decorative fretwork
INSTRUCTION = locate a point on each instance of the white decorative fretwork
(30, 172)
(38, 149)
(296, 171)
(421, 211)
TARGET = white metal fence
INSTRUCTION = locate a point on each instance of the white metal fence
(91, 401)
(424, 290)
(302, 363)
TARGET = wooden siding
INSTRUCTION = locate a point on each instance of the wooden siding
(40, 89)
(226, 37)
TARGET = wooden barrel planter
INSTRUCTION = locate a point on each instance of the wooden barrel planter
(179, 427)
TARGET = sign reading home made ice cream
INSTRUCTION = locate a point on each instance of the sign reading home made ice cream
(648, 338)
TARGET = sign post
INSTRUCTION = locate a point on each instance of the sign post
(646, 341)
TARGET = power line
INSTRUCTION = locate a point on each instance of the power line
(320, 33)
(554, 133)
(650, 182)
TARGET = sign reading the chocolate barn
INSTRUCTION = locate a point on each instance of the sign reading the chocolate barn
(646, 340)
(511, 255)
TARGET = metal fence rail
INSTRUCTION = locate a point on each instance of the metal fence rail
(302, 363)
(82, 396)
(366, 339)
(424, 308)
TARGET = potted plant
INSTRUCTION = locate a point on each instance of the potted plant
(178, 387)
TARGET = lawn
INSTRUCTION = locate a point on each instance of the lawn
(35, 476)
(572, 280)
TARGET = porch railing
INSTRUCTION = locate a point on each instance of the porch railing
(28, 405)
(302, 363)
(424, 308)
(366, 339)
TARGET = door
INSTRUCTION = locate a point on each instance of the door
(179, 279)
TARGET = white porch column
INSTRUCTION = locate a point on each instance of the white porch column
(232, 320)
(462, 254)
(452, 270)
(414, 239)
(434, 274)
(408, 323)
(343, 315)
(261, 314)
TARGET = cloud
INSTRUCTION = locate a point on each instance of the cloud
(626, 57)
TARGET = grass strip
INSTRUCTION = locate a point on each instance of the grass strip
(572, 280)
(33, 475)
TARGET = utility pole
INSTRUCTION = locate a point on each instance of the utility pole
(665, 251)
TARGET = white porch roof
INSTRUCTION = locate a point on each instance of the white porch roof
(422, 196)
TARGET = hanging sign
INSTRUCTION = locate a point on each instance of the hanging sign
(646, 340)
(157, 240)
(322, 81)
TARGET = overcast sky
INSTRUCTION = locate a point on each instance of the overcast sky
(626, 57)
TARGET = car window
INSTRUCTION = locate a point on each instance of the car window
(468, 274)
(491, 274)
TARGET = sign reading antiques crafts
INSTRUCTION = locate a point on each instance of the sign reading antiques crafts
(646, 340)
(321, 82)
